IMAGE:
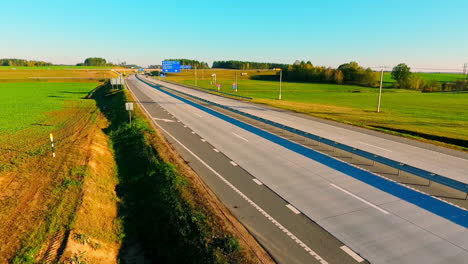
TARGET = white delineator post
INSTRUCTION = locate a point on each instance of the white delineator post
(380, 90)
(52, 144)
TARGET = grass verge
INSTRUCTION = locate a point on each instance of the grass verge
(166, 211)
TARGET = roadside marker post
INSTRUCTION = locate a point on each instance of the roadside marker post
(129, 108)
(52, 144)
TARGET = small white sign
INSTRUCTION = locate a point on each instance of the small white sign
(129, 106)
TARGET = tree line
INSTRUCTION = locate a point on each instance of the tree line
(246, 65)
(407, 80)
(193, 63)
(348, 73)
(94, 61)
(21, 62)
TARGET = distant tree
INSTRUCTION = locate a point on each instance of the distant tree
(401, 73)
(350, 71)
(193, 63)
(93, 62)
(338, 77)
(246, 65)
(21, 62)
(367, 77)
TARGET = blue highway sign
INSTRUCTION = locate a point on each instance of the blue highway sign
(171, 66)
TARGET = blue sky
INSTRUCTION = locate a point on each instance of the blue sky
(424, 34)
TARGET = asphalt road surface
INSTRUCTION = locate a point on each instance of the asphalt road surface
(287, 199)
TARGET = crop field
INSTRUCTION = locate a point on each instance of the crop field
(7, 74)
(33, 185)
(440, 117)
(26, 105)
(57, 67)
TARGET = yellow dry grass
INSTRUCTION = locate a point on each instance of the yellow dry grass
(35, 74)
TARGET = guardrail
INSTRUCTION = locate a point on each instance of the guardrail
(394, 164)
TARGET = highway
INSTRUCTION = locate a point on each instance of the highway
(303, 210)
(449, 163)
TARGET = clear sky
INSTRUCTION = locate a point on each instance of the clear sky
(422, 33)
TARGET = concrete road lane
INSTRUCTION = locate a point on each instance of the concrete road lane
(449, 163)
(379, 226)
(287, 236)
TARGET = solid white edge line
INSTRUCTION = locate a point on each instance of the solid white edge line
(352, 253)
(257, 181)
(360, 199)
(239, 136)
(258, 208)
(233, 163)
(293, 209)
(197, 115)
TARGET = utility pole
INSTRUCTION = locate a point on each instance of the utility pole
(380, 89)
(465, 70)
(195, 75)
(281, 80)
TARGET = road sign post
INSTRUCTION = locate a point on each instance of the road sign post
(129, 108)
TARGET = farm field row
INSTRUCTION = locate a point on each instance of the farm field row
(57, 67)
(9, 74)
(36, 186)
(440, 117)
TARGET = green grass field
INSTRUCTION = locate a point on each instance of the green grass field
(435, 116)
(26, 104)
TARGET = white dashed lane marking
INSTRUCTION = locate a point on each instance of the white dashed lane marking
(293, 209)
(257, 181)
